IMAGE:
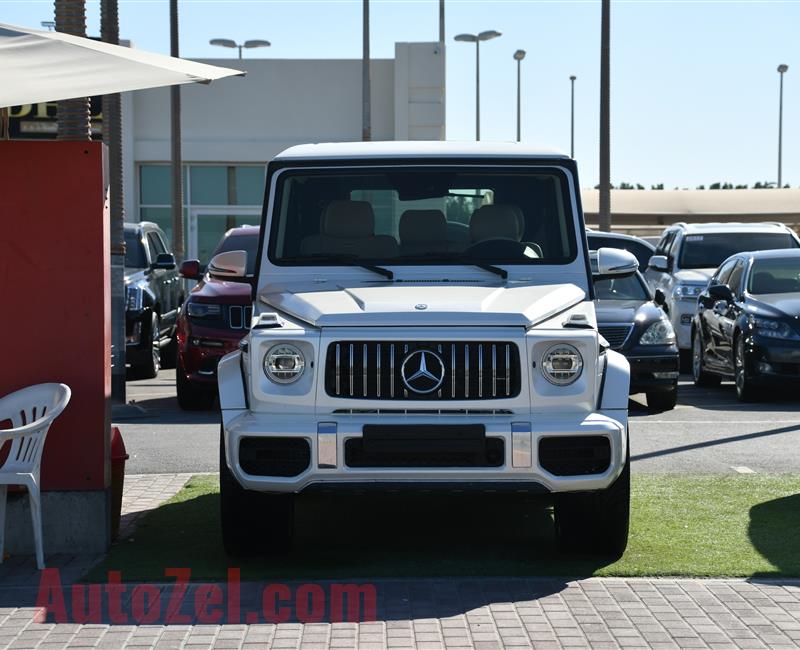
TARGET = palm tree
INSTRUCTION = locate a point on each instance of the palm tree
(605, 118)
(74, 115)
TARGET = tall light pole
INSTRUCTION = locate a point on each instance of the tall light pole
(572, 78)
(227, 42)
(518, 56)
(441, 21)
(366, 85)
(605, 118)
(477, 38)
(781, 69)
(175, 142)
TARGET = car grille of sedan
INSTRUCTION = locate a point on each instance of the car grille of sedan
(239, 317)
(473, 370)
(616, 335)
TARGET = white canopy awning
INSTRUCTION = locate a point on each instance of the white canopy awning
(40, 66)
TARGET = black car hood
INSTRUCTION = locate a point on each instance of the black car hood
(775, 305)
(626, 311)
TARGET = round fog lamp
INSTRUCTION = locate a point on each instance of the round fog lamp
(562, 364)
(284, 363)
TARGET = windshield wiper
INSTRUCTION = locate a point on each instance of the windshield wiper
(433, 257)
(351, 259)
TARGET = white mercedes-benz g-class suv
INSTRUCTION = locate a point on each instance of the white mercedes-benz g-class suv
(423, 319)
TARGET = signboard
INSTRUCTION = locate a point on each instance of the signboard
(38, 121)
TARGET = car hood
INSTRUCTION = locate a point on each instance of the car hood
(425, 304)
(626, 311)
(775, 304)
(694, 276)
(218, 291)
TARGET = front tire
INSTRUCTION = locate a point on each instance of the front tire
(702, 377)
(662, 400)
(252, 523)
(746, 391)
(149, 369)
(596, 522)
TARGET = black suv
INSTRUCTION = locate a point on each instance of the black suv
(153, 296)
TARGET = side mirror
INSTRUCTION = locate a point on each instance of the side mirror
(190, 269)
(165, 261)
(721, 292)
(659, 263)
(615, 263)
(229, 266)
(661, 300)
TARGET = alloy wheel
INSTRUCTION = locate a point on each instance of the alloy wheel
(155, 343)
(697, 356)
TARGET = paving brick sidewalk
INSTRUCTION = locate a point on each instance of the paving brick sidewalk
(435, 613)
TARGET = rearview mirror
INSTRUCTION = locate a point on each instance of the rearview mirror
(659, 263)
(190, 269)
(661, 300)
(165, 261)
(229, 266)
(615, 263)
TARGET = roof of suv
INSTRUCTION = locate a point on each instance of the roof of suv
(416, 149)
(702, 228)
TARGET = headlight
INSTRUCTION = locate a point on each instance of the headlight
(659, 333)
(133, 298)
(562, 364)
(687, 291)
(203, 310)
(773, 329)
(284, 363)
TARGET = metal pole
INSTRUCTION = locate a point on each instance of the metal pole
(175, 137)
(572, 118)
(519, 100)
(366, 108)
(240, 51)
(112, 137)
(477, 90)
(605, 118)
(780, 133)
(441, 21)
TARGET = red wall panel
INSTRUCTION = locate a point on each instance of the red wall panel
(54, 296)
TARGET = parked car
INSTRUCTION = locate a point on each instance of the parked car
(153, 296)
(386, 355)
(687, 256)
(634, 322)
(747, 326)
(641, 249)
(213, 320)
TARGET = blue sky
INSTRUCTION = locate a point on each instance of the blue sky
(694, 83)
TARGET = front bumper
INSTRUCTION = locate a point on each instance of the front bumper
(201, 347)
(773, 360)
(681, 313)
(657, 371)
(519, 467)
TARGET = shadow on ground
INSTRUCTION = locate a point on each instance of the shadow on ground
(773, 531)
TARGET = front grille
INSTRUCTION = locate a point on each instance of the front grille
(274, 456)
(239, 317)
(473, 370)
(575, 455)
(616, 335)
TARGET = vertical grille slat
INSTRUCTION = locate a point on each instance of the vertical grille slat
(469, 370)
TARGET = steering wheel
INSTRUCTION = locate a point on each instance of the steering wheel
(497, 247)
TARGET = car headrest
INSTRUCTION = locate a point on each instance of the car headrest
(422, 226)
(348, 219)
(496, 221)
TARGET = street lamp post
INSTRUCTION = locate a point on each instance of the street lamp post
(518, 56)
(781, 69)
(477, 38)
(572, 117)
(227, 42)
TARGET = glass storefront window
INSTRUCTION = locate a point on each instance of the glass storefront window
(154, 184)
(249, 185)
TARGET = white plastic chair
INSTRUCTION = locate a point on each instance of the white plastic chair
(31, 410)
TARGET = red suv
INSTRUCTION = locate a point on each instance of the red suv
(214, 318)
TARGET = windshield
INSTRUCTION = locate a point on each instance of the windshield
(422, 216)
(240, 242)
(709, 251)
(630, 288)
(776, 275)
(134, 251)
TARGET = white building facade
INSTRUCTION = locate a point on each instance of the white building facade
(233, 127)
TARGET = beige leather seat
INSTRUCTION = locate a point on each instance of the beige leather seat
(423, 231)
(501, 221)
(348, 228)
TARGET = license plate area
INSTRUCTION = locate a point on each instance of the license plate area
(424, 446)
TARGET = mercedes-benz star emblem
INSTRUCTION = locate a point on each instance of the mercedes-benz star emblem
(421, 306)
(422, 371)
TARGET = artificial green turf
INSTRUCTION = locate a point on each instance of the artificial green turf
(680, 525)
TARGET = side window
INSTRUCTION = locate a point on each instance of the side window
(735, 280)
(672, 249)
(665, 242)
(721, 276)
(155, 246)
(160, 239)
